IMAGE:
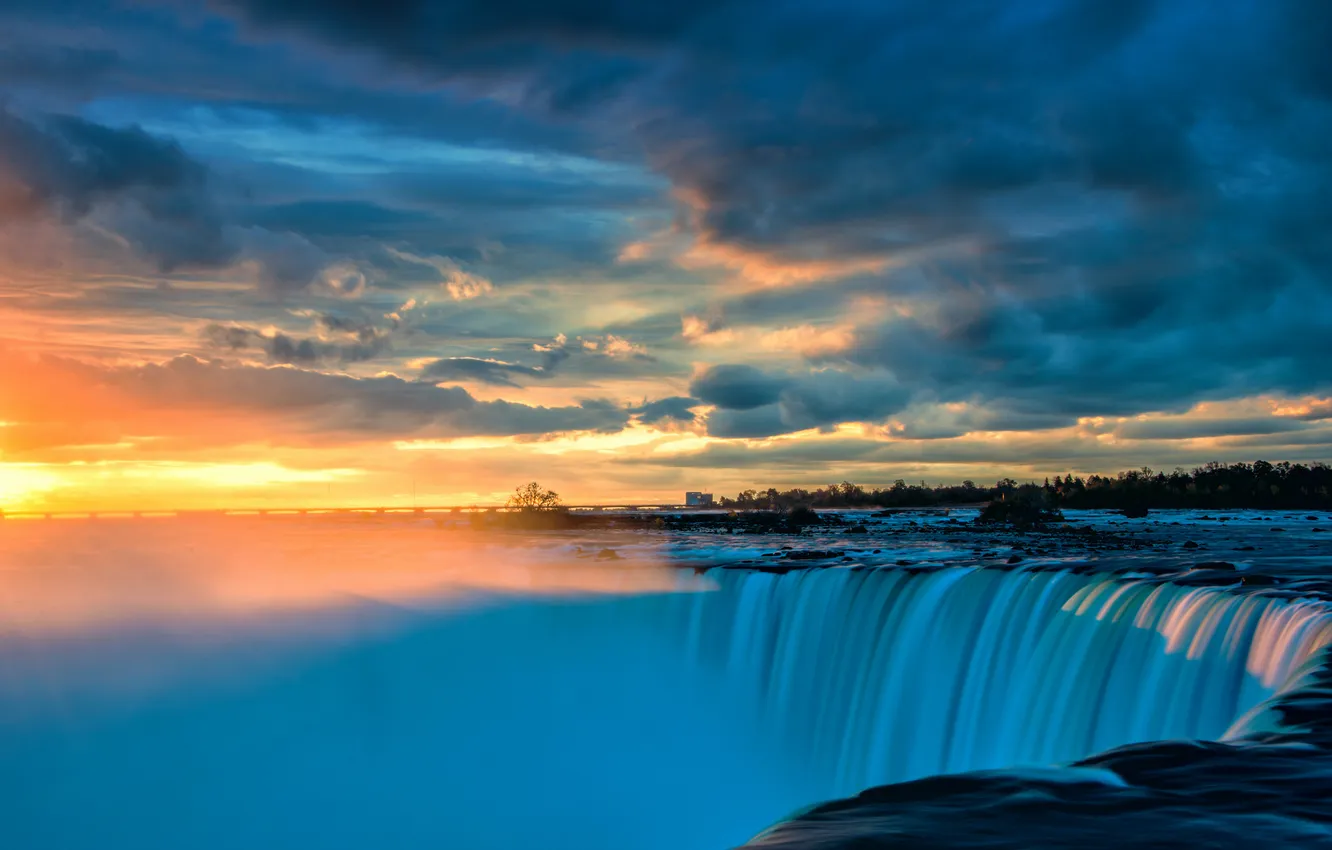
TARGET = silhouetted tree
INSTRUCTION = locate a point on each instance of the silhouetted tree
(532, 497)
(1028, 506)
(1212, 486)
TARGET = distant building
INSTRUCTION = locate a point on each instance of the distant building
(695, 499)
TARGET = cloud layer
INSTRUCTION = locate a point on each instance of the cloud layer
(730, 222)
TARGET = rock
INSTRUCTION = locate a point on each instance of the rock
(608, 555)
(813, 555)
(1014, 559)
(1259, 580)
(1215, 565)
(857, 529)
(1191, 545)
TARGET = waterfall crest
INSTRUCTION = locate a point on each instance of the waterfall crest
(874, 676)
(527, 720)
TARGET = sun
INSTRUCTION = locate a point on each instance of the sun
(22, 485)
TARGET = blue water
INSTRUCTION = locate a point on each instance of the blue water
(522, 725)
(637, 720)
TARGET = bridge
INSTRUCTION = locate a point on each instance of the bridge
(397, 510)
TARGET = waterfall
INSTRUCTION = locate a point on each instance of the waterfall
(874, 676)
(538, 722)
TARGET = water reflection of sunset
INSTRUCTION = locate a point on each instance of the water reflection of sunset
(70, 574)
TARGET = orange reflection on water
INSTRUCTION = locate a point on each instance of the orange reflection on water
(70, 574)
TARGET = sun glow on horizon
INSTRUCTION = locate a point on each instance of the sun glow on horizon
(147, 485)
(23, 485)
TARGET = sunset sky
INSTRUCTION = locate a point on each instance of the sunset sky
(288, 252)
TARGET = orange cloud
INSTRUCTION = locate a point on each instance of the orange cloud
(208, 433)
(811, 341)
(804, 340)
(764, 270)
(1306, 408)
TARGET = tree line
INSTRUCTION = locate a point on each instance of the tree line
(1214, 486)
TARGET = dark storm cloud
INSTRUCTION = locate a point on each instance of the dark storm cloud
(362, 342)
(1137, 180)
(752, 423)
(146, 190)
(64, 165)
(179, 56)
(362, 329)
(157, 65)
(818, 157)
(1186, 429)
(573, 360)
(1121, 204)
(70, 163)
(514, 223)
(1308, 31)
(926, 422)
(828, 397)
(1315, 440)
(663, 410)
(737, 387)
(22, 64)
(1194, 271)
(754, 403)
(495, 372)
(1036, 359)
(447, 35)
(505, 418)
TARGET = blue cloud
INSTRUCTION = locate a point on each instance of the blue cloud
(1121, 204)
(670, 409)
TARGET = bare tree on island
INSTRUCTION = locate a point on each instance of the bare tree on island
(532, 498)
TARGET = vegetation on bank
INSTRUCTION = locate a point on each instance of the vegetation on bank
(530, 508)
(533, 498)
(1259, 485)
(1030, 506)
(1216, 486)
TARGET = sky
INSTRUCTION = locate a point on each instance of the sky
(288, 252)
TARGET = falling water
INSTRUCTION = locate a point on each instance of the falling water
(871, 676)
(585, 723)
